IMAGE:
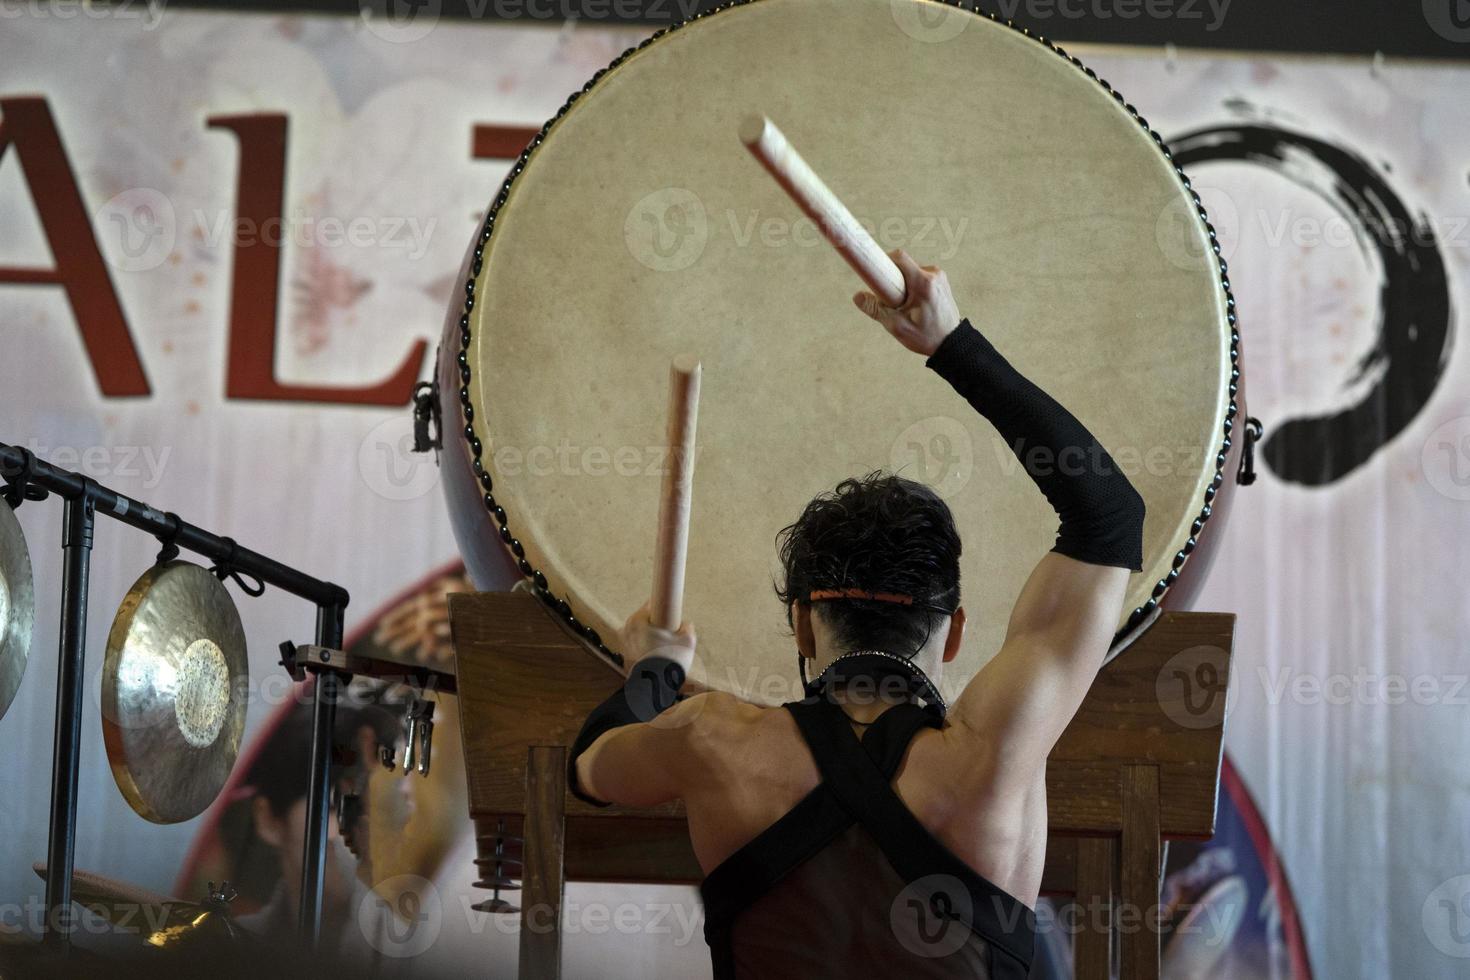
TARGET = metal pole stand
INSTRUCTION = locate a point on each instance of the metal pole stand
(333, 670)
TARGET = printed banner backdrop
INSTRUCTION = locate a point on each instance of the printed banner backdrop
(140, 154)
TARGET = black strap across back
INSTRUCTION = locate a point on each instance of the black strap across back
(849, 882)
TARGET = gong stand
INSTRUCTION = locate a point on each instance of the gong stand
(1138, 765)
(418, 724)
(29, 478)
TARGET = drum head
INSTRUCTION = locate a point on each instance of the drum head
(638, 227)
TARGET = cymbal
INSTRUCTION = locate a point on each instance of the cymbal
(157, 919)
(173, 692)
(17, 606)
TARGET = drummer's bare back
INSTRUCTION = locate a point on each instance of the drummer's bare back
(989, 811)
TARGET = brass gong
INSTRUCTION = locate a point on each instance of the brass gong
(17, 606)
(173, 691)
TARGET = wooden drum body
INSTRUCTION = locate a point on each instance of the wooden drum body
(636, 227)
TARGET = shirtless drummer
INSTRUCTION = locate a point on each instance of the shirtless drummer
(870, 829)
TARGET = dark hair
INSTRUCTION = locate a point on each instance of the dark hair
(879, 533)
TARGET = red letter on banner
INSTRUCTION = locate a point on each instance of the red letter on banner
(80, 270)
(260, 194)
(488, 142)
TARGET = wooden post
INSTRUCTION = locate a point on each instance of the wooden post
(1092, 946)
(544, 884)
(1138, 875)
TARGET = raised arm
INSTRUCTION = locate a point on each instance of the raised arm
(1063, 621)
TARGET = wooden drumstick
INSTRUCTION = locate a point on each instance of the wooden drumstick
(852, 241)
(667, 609)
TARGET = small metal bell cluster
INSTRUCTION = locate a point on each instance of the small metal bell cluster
(418, 739)
(498, 861)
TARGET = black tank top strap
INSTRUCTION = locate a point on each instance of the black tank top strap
(861, 786)
(887, 739)
(855, 770)
(752, 870)
(806, 828)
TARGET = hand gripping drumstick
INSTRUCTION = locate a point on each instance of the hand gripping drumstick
(667, 611)
(852, 241)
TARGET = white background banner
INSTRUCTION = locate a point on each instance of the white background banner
(1347, 562)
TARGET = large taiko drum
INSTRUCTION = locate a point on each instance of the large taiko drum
(636, 227)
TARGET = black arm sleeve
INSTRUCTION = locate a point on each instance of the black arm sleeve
(652, 687)
(1101, 513)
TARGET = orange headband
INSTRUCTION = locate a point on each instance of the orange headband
(819, 594)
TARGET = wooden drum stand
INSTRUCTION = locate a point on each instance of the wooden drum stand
(1139, 764)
